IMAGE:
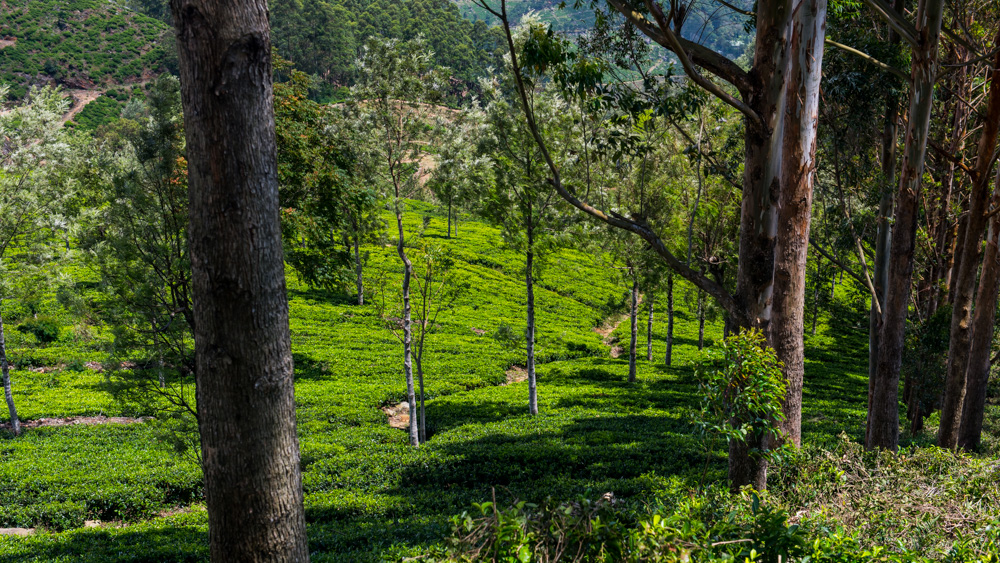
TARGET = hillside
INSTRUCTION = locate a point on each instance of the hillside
(80, 44)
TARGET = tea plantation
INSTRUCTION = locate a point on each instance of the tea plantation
(371, 497)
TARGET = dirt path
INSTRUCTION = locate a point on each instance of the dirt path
(76, 420)
(7, 42)
(80, 99)
(609, 327)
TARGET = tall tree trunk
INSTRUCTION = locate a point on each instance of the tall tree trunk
(244, 379)
(941, 233)
(958, 348)
(449, 216)
(670, 320)
(701, 320)
(633, 316)
(883, 429)
(530, 330)
(971, 429)
(422, 413)
(15, 422)
(649, 329)
(411, 394)
(883, 237)
(798, 168)
(359, 269)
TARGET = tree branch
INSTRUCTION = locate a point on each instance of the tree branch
(700, 55)
(898, 23)
(888, 68)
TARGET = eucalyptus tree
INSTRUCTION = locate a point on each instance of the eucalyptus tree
(243, 356)
(460, 171)
(395, 80)
(517, 198)
(778, 97)
(34, 158)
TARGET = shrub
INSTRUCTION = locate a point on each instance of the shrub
(44, 329)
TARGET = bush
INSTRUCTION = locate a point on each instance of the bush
(44, 329)
(58, 516)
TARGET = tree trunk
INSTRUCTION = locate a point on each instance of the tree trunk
(358, 269)
(244, 379)
(422, 413)
(633, 315)
(449, 216)
(883, 429)
(670, 320)
(965, 280)
(411, 396)
(530, 330)
(941, 224)
(971, 429)
(701, 320)
(15, 422)
(649, 330)
(798, 167)
(883, 236)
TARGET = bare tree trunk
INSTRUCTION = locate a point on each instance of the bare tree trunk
(633, 315)
(244, 376)
(449, 216)
(358, 269)
(965, 281)
(530, 330)
(798, 167)
(411, 396)
(701, 320)
(670, 320)
(422, 413)
(971, 429)
(649, 330)
(883, 236)
(883, 430)
(15, 422)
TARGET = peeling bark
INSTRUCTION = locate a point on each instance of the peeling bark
(883, 419)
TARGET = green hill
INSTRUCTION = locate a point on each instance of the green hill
(87, 44)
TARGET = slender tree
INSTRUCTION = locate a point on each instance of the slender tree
(245, 391)
(35, 149)
(883, 414)
(396, 77)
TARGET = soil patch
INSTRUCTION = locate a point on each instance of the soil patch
(17, 531)
(608, 328)
(399, 415)
(75, 420)
(7, 42)
(516, 374)
(80, 99)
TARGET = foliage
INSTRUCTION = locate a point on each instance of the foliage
(323, 37)
(742, 390)
(135, 239)
(80, 43)
(327, 209)
(45, 330)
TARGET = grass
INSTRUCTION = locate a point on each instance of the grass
(370, 497)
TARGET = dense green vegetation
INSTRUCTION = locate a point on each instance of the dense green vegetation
(371, 497)
(79, 43)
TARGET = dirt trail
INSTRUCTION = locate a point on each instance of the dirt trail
(609, 327)
(7, 42)
(80, 99)
(76, 420)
